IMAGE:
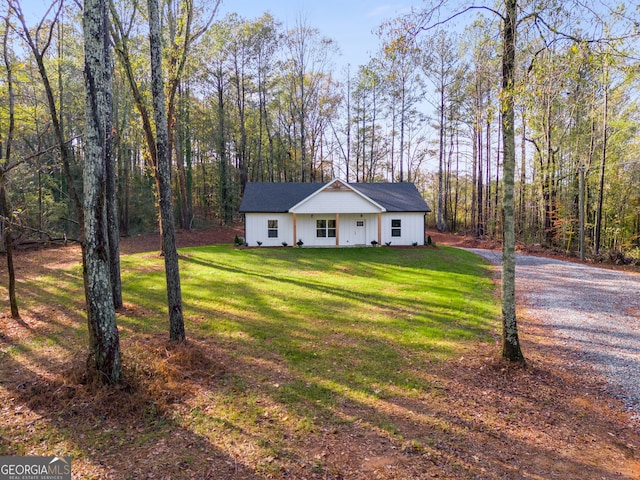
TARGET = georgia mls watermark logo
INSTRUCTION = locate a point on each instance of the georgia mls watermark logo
(35, 468)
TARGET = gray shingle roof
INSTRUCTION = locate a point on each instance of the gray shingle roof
(395, 197)
(280, 197)
(275, 197)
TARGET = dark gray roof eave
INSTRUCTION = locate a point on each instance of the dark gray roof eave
(287, 211)
(263, 211)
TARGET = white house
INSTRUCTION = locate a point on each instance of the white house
(333, 214)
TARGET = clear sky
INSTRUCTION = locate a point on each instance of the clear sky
(349, 22)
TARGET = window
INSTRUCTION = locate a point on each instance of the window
(396, 228)
(360, 223)
(325, 228)
(272, 226)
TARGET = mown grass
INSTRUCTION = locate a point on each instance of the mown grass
(332, 325)
(368, 311)
(290, 342)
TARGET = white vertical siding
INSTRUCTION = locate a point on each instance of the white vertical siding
(306, 229)
(256, 229)
(412, 228)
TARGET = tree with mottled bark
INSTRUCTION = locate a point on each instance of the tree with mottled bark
(39, 43)
(103, 332)
(113, 217)
(163, 175)
(510, 340)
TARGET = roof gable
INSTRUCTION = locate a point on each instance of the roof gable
(339, 203)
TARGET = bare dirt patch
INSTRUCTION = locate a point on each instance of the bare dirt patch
(481, 418)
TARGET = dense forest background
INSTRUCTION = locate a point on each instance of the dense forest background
(249, 100)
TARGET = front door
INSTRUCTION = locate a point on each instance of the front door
(360, 233)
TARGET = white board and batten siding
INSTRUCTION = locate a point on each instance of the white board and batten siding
(257, 229)
(353, 229)
(411, 228)
(306, 230)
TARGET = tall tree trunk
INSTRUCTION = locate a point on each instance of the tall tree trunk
(180, 149)
(441, 221)
(124, 156)
(6, 213)
(497, 192)
(348, 156)
(522, 214)
(103, 332)
(549, 180)
(374, 112)
(456, 198)
(474, 180)
(393, 141)
(487, 196)
(113, 220)
(188, 150)
(5, 210)
(241, 104)
(510, 341)
(163, 174)
(480, 187)
(303, 126)
(402, 121)
(183, 158)
(603, 164)
(223, 162)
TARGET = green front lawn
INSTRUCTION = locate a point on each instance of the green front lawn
(341, 322)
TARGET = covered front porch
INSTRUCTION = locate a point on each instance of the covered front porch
(337, 229)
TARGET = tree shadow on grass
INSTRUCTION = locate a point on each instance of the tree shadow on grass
(407, 307)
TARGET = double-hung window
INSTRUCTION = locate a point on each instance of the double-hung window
(396, 227)
(325, 228)
(272, 228)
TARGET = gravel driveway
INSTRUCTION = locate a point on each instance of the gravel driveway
(593, 311)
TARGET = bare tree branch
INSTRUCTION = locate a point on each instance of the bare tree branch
(207, 24)
(28, 158)
(14, 5)
(426, 25)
